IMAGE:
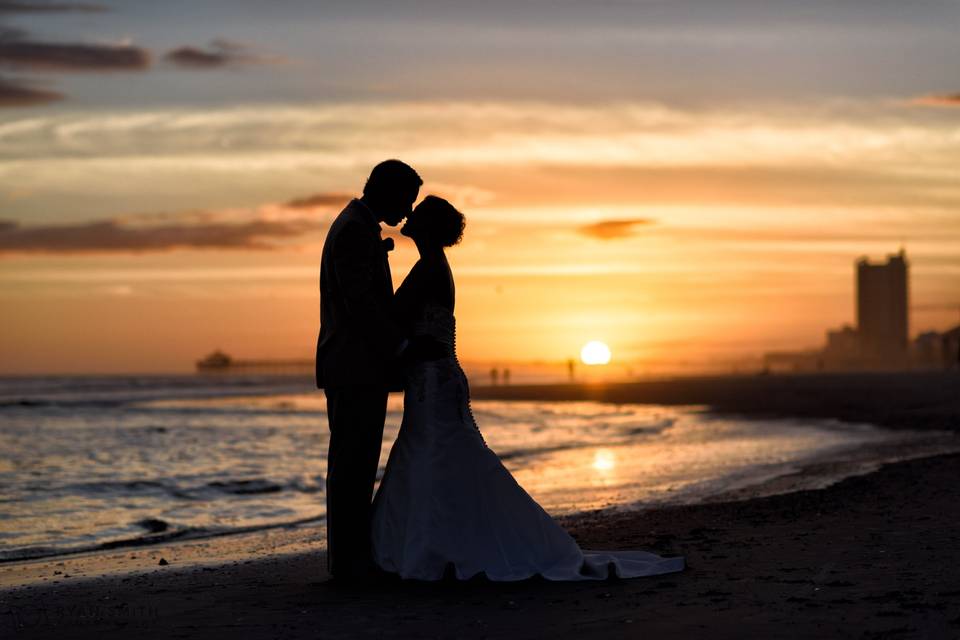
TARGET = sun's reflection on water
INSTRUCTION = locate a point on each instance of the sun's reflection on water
(604, 461)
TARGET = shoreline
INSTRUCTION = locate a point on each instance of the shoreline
(309, 536)
(916, 400)
(157, 540)
(873, 555)
(910, 398)
(870, 556)
(803, 475)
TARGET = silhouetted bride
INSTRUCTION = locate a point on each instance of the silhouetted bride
(446, 502)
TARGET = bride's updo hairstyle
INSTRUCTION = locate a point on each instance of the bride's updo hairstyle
(441, 221)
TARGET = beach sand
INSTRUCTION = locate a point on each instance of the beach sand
(873, 556)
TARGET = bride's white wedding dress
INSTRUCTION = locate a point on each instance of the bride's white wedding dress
(446, 500)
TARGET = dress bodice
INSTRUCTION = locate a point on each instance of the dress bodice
(437, 322)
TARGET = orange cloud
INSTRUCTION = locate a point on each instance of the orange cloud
(613, 229)
(943, 100)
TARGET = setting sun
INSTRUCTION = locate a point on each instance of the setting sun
(595, 352)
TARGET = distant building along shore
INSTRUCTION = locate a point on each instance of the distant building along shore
(881, 339)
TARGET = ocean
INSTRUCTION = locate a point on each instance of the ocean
(104, 462)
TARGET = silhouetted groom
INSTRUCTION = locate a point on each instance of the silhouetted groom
(358, 343)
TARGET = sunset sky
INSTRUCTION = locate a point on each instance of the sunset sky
(687, 181)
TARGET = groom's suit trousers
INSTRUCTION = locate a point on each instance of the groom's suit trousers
(356, 415)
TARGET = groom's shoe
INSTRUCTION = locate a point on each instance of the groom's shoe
(364, 578)
(380, 577)
(347, 580)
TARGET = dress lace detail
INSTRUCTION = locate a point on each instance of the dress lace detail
(446, 500)
(437, 322)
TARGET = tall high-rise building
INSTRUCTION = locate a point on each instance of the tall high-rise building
(883, 307)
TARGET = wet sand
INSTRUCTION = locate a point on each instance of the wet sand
(873, 556)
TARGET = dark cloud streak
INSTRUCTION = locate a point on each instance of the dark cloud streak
(51, 7)
(194, 58)
(318, 200)
(48, 56)
(116, 236)
(16, 93)
(221, 53)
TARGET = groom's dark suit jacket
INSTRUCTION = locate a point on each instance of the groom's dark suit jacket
(358, 335)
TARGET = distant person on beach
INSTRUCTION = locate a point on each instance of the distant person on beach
(356, 351)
